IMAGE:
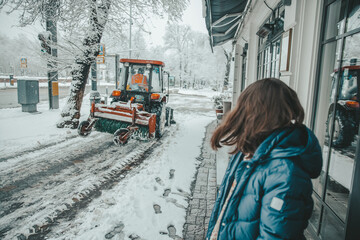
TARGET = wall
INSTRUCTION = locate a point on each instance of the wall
(305, 49)
(304, 18)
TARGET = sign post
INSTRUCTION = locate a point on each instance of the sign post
(23, 64)
(11, 79)
(49, 48)
(100, 59)
(93, 77)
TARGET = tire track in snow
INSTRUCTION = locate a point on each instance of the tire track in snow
(40, 217)
(41, 147)
(34, 178)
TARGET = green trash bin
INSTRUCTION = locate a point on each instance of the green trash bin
(28, 94)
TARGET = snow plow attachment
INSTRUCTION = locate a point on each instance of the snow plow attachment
(121, 119)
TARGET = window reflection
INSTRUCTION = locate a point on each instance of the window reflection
(353, 20)
(326, 84)
(337, 117)
(344, 126)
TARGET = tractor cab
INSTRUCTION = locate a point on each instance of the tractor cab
(347, 115)
(141, 81)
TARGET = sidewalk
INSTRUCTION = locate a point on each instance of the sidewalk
(203, 191)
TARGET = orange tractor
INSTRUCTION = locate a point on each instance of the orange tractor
(138, 107)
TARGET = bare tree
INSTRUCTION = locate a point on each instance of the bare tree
(190, 57)
(82, 24)
(177, 37)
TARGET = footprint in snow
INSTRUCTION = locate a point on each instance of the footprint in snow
(172, 171)
(171, 232)
(157, 208)
(135, 237)
(166, 192)
(117, 230)
(159, 181)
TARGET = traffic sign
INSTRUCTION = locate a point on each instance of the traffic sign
(23, 62)
(100, 59)
(101, 49)
(55, 88)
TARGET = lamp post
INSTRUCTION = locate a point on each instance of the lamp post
(130, 28)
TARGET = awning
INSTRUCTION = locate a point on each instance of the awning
(223, 18)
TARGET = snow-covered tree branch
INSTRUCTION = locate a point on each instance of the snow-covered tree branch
(81, 26)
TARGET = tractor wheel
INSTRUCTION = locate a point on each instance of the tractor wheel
(160, 111)
(343, 129)
(83, 128)
(119, 135)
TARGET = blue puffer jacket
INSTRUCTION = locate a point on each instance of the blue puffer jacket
(272, 198)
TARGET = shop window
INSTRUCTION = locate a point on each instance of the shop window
(343, 125)
(337, 116)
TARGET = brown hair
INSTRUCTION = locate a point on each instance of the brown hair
(264, 106)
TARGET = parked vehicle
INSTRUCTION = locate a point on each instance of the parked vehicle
(138, 107)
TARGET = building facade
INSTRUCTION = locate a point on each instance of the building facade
(314, 47)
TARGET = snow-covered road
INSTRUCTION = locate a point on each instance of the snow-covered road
(56, 185)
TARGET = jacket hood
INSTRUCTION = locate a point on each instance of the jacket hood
(296, 142)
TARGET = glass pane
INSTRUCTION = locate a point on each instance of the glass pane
(259, 66)
(331, 229)
(335, 19)
(326, 84)
(265, 63)
(345, 125)
(138, 78)
(122, 78)
(353, 20)
(276, 58)
(155, 80)
(351, 53)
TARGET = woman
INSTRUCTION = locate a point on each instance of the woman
(266, 190)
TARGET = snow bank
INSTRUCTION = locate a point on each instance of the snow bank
(21, 130)
(200, 92)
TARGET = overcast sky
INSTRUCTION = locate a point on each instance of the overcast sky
(192, 17)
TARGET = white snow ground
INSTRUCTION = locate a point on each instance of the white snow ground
(128, 208)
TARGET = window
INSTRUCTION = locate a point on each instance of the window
(156, 83)
(269, 45)
(336, 120)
